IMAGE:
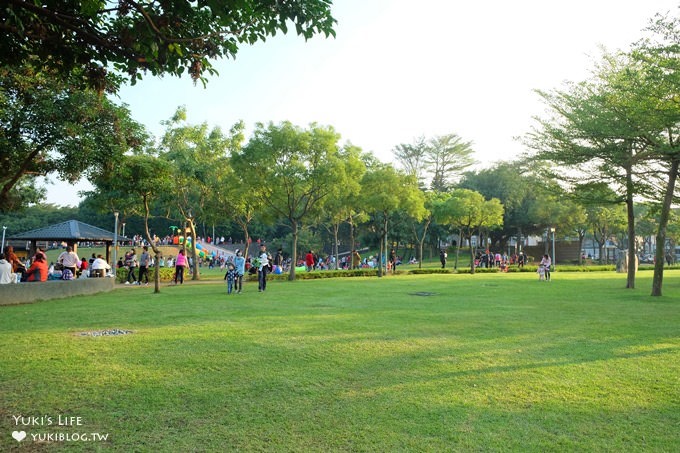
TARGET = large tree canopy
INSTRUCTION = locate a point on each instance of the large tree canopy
(162, 37)
(292, 171)
(47, 127)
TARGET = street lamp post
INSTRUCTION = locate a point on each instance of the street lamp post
(115, 245)
(123, 229)
(2, 247)
(554, 261)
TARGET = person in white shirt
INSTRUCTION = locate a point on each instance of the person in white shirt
(546, 262)
(69, 259)
(6, 274)
(99, 267)
(263, 269)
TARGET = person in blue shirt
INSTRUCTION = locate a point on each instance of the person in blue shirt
(240, 267)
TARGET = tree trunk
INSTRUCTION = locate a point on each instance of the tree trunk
(630, 281)
(458, 246)
(352, 244)
(601, 242)
(244, 226)
(157, 252)
(472, 256)
(421, 240)
(293, 252)
(336, 227)
(581, 239)
(196, 274)
(663, 223)
(383, 240)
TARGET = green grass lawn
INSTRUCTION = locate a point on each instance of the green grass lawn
(487, 362)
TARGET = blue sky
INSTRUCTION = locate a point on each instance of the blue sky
(401, 69)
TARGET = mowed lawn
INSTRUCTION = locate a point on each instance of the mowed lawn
(490, 362)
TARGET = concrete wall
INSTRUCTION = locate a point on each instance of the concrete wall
(23, 293)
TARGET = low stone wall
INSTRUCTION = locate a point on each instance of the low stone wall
(24, 293)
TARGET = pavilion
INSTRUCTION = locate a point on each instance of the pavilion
(71, 232)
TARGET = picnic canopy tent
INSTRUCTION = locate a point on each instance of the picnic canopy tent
(72, 232)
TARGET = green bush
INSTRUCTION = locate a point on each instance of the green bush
(431, 271)
(167, 274)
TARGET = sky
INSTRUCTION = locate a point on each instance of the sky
(399, 69)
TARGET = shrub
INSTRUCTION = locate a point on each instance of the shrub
(431, 271)
(167, 274)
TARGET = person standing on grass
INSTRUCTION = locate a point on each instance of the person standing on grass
(356, 260)
(131, 263)
(144, 261)
(546, 262)
(230, 277)
(240, 266)
(309, 261)
(278, 259)
(263, 269)
(442, 257)
(180, 264)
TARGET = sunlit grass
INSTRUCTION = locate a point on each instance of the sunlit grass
(485, 362)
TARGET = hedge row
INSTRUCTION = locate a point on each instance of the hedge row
(167, 274)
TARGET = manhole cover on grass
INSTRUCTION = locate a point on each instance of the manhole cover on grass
(105, 333)
(422, 293)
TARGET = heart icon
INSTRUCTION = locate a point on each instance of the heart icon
(19, 435)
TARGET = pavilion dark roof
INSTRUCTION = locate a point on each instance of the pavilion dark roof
(71, 230)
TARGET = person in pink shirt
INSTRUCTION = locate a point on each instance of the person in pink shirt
(180, 264)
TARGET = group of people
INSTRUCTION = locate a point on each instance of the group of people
(263, 265)
(132, 263)
(68, 267)
(12, 269)
(141, 266)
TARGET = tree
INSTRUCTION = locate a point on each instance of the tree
(657, 83)
(292, 172)
(517, 186)
(447, 157)
(167, 37)
(599, 128)
(577, 219)
(412, 158)
(36, 216)
(47, 127)
(468, 211)
(199, 156)
(384, 191)
(145, 178)
(435, 203)
(556, 210)
(341, 205)
(605, 221)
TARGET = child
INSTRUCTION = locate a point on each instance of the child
(541, 272)
(230, 277)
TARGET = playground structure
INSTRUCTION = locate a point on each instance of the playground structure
(204, 250)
